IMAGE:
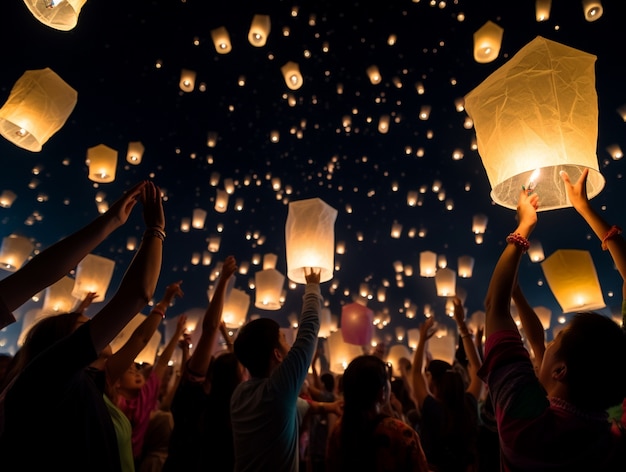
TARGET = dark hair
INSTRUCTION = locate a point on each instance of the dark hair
(594, 348)
(255, 344)
(328, 380)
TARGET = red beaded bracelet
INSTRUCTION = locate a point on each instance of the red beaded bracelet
(610, 234)
(519, 240)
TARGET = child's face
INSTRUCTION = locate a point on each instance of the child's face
(132, 379)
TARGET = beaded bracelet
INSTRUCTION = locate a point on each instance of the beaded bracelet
(155, 232)
(610, 234)
(519, 240)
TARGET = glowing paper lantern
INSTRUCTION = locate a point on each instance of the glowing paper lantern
(93, 274)
(58, 296)
(479, 224)
(538, 111)
(383, 124)
(198, 218)
(572, 277)
(134, 153)
(102, 161)
(61, 15)
(428, 264)
(38, 106)
(236, 308)
(269, 261)
(476, 320)
(397, 352)
(593, 9)
(466, 266)
(268, 287)
(291, 74)
(545, 315)
(310, 239)
(14, 252)
(542, 9)
(357, 324)
(445, 281)
(442, 347)
(374, 74)
(221, 40)
(221, 201)
(259, 30)
(340, 352)
(7, 198)
(487, 41)
(149, 352)
(535, 251)
(187, 80)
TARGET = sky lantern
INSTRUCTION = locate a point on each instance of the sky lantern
(38, 106)
(572, 277)
(134, 153)
(102, 162)
(198, 218)
(340, 352)
(466, 266)
(291, 74)
(542, 9)
(397, 352)
(445, 282)
(221, 201)
(58, 296)
(15, 251)
(93, 274)
(592, 9)
(7, 198)
(479, 223)
(61, 15)
(259, 30)
(187, 80)
(310, 239)
(374, 74)
(236, 308)
(442, 347)
(536, 116)
(268, 287)
(545, 315)
(428, 264)
(221, 40)
(357, 324)
(487, 41)
(535, 251)
(325, 323)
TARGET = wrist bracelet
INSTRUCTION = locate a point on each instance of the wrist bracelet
(610, 234)
(519, 241)
(157, 233)
(160, 312)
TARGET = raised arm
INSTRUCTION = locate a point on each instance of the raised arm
(533, 329)
(139, 281)
(166, 355)
(201, 357)
(498, 300)
(56, 261)
(420, 388)
(475, 386)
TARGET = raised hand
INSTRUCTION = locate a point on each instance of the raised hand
(312, 277)
(173, 290)
(153, 214)
(122, 208)
(229, 267)
(527, 210)
(426, 331)
(576, 193)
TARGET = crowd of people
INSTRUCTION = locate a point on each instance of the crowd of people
(259, 403)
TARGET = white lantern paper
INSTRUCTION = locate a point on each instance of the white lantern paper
(428, 264)
(187, 80)
(374, 74)
(413, 337)
(93, 274)
(592, 9)
(535, 251)
(310, 239)
(269, 261)
(221, 201)
(542, 9)
(38, 106)
(291, 74)
(149, 352)
(268, 287)
(14, 252)
(445, 281)
(538, 111)
(466, 266)
(443, 348)
(102, 162)
(236, 308)
(259, 30)
(397, 352)
(545, 315)
(325, 323)
(58, 296)
(198, 218)
(62, 15)
(221, 40)
(572, 277)
(487, 41)
(479, 223)
(7, 198)
(340, 352)
(135, 152)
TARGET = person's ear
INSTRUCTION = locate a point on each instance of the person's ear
(559, 372)
(278, 355)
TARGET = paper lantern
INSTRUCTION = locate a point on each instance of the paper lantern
(198, 218)
(149, 352)
(445, 281)
(476, 320)
(221, 40)
(310, 239)
(259, 30)
(38, 106)
(340, 352)
(325, 323)
(61, 15)
(357, 324)
(593, 9)
(542, 9)
(7, 198)
(14, 252)
(236, 308)
(442, 261)
(291, 74)
(187, 80)
(535, 251)
(58, 296)
(383, 124)
(221, 201)
(538, 111)
(487, 41)
(545, 315)
(268, 287)
(572, 277)
(134, 153)
(214, 243)
(102, 161)
(442, 348)
(479, 224)
(397, 352)
(269, 261)
(93, 274)
(466, 266)
(374, 74)
(428, 264)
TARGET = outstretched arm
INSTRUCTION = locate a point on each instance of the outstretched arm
(533, 329)
(58, 260)
(475, 386)
(420, 389)
(166, 355)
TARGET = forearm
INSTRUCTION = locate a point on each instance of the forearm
(533, 329)
(166, 355)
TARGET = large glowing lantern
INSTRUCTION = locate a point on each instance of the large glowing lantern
(534, 117)
(487, 41)
(58, 296)
(445, 282)
(93, 274)
(268, 285)
(310, 239)
(542, 9)
(442, 347)
(572, 277)
(149, 352)
(357, 324)
(291, 74)
(38, 106)
(236, 308)
(14, 252)
(340, 352)
(102, 162)
(428, 264)
(58, 14)
(397, 352)
(259, 30)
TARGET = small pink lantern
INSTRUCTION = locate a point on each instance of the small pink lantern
(357, 324)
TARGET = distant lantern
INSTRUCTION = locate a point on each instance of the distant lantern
(149, 352)
(236, 308)
(102, 161)
(214, 244)
(572, 277)
(221, 40)
(134, 153)
(38, 106)
(274, 136)
(269, 261)
(259, 30)
(396, 230)
(211, 139)
(229, 186)
(14, 252)
(61, 15)
(615, 151)
(479, 223)
(542, 9)
(291, 74)
(424, 112)
(187, 80)
(268, 287)
(466, 266)
(7, 198)
(413, 337)
(185, 224)
(58, 296)
(592, 9)
(221, 201)
(357, 324)
(198, 218)
(325, 323)
(310, 239)
(535, 251)
(341, 353)
(528, 129)
(374, 74)
(442, 348)
(442, 261)
(445, 281)
(545, 315)
(131, 243)
(428, 264)
(397, 352)
(487, 41)
(93, 274)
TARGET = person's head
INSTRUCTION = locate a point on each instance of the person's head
(131, 381)
(445, 382)
(365, 383)
(224, 374)
(328, 380)
(587, 361)
(260, 345)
